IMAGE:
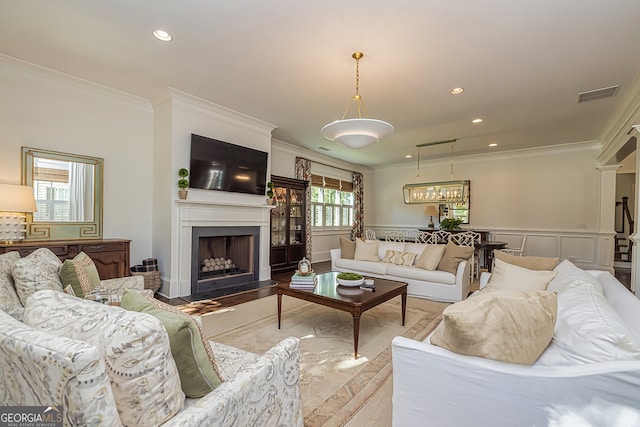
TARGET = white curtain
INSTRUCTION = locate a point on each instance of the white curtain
(80, 192)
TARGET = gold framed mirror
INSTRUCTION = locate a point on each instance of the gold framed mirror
(68, 190)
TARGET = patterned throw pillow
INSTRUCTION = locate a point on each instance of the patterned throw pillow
(81, 273)
(190, 349)
(135, 346)
(9, 301)
(399, 258)
(38, 270)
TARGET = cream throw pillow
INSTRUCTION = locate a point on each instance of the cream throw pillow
(588, 329)
(530, 262)
(513, 327)
(430, 257)
(511, 277)
(347, 248)
(399, 258)
(454, 255)
(366, 251)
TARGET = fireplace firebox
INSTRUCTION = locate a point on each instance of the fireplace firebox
(223, 257)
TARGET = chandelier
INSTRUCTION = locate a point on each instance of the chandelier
(360, 132)
(436, 192)
(448, 192)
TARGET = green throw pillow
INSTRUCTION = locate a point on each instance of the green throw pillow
(190, 349)
(81, 273)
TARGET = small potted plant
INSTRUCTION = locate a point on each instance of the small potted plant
(450, 224)
(183, 183)
(270, 193)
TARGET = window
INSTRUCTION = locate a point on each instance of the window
(51, 188)
(331, 203)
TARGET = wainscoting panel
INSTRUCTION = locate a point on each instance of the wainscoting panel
(514, 240)
(580, 250)
(589, 250)
(537, 244)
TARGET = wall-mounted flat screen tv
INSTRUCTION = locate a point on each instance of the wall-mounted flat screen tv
(219, 165)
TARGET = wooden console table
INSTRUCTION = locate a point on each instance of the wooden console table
(111, 256)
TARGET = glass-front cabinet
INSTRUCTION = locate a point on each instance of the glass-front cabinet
(288, 219)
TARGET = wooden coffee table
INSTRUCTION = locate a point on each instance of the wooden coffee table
(328, 293)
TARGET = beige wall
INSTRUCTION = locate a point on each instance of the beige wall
(47, 110)
(542, 189)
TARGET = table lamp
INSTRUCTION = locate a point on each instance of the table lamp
(430, 212)
(15, 200)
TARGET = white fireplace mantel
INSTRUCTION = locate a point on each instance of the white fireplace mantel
(215, 214)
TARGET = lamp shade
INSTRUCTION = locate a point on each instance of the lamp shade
(357, 133)
(431, 211)
(16, 198)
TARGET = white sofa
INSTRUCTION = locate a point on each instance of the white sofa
(434, 386)
(435, 285)
(41, 367)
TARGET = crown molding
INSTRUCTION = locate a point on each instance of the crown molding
(507, 154)
(50, 78)
(622, 123)
(201, 105)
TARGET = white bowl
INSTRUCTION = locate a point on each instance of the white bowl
(350, 283)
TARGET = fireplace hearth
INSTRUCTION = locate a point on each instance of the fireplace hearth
(224, 257)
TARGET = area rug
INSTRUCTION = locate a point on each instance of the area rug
(334, 385)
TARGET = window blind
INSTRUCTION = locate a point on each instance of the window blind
(332, 183)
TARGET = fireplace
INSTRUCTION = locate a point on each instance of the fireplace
(223, 257)
(241, 216)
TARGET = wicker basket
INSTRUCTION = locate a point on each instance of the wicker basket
(151, 279)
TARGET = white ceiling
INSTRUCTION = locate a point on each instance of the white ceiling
(288, 62)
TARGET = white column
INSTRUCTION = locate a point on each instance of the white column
(606, 217)
(635, 238)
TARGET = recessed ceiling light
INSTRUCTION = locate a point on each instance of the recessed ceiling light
(162, 35)
(478, 120)
(408, 156)
(456, 90)
(493, 144)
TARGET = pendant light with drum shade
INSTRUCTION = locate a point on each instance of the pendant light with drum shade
(359, 132)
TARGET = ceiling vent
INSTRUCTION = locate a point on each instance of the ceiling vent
(591, 95)
(324, 148)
